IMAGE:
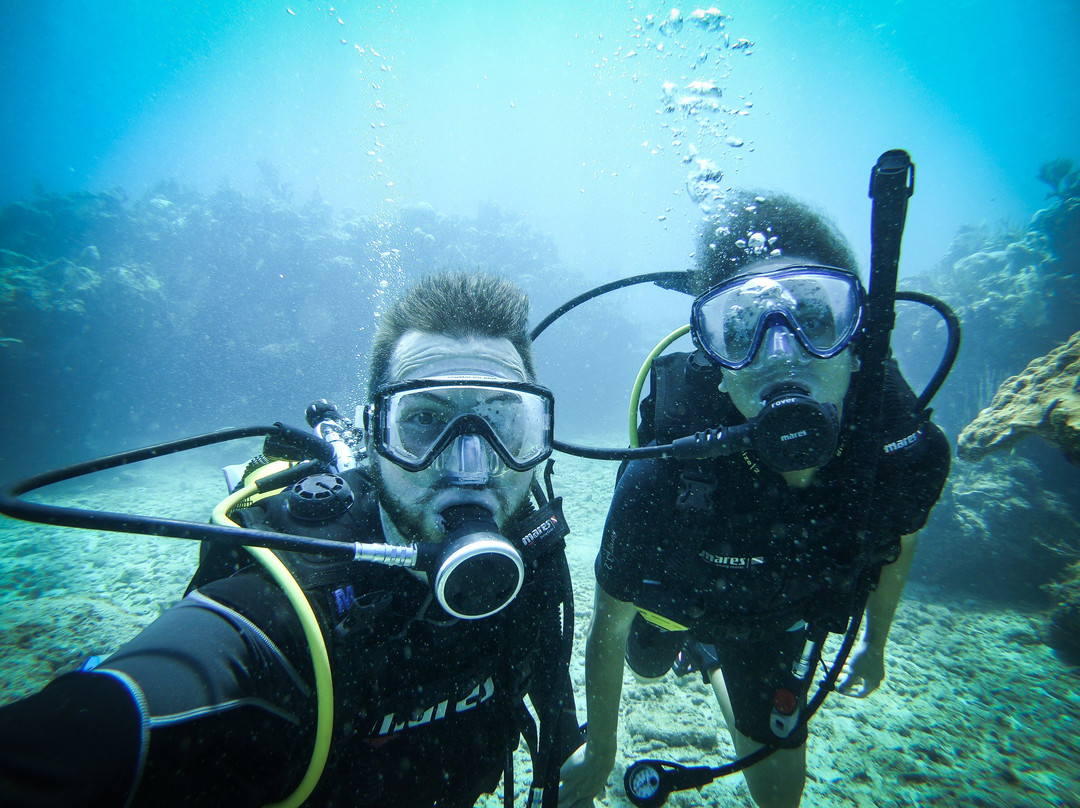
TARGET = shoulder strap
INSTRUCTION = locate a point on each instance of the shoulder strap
(902, 421)
(685, 398)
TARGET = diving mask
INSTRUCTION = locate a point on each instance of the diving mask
(821, 306)
(412, 422)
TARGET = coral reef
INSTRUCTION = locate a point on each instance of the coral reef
(1009, 525)
(1020, 290)
(1061, 176)
(1043, 400)
(183, 310)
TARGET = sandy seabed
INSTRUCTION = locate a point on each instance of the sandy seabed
(975, 710)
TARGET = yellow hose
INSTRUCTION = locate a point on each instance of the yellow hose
(635, 395)
(320, 660)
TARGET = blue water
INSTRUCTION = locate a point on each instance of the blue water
(583, 124)
(543, 110)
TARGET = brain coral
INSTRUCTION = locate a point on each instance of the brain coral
(1044, 400)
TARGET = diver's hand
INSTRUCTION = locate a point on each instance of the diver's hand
(863, 672)
(584, 777)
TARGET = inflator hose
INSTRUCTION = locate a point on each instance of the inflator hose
(643, 374)
(320, 659)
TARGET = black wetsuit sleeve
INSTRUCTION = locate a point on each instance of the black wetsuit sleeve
(634, 530)
(77, 742)
(202, 707)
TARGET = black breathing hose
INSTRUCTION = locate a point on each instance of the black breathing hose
(303, 443)
(669, 280)
(952, 345)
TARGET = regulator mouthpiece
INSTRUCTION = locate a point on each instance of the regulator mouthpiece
(794, 432)
(478, 572)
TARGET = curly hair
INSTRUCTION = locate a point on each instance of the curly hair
(458, 305)
(749, 226)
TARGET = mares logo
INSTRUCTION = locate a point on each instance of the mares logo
(539, 531)
(903, 443)
(733, 562)
(393, 722)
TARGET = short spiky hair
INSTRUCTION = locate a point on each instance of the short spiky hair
(458, 305)
(730, 238)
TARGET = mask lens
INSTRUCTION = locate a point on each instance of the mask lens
(822, 306)
(418, 422)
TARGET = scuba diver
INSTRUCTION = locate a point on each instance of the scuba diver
(737, 565)
(407, 675)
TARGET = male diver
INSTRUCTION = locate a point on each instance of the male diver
(719, 566)
(216, 702)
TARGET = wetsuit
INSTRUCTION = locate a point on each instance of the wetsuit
(729, 551)
(214, 703)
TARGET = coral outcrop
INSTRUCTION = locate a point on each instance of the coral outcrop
(1016, 293)
(1008, 526)
(1043, 400)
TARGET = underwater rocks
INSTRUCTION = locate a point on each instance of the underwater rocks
(1016, 293)
(1043, 400)
(1063, 629)
(1004, 528)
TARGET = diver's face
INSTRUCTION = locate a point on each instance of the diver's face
(781, 363)
(414, 500)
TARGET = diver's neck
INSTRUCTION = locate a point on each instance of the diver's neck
(799, 479)
(393, 536)
(390, 532)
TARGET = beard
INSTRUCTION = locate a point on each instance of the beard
(416, 520)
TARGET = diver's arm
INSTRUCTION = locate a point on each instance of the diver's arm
(80, 741)
(152, 724)
(585, 774)
(865, 668)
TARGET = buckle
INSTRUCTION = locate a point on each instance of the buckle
(696, 492)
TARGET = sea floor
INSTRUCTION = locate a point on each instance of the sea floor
(975, 710)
